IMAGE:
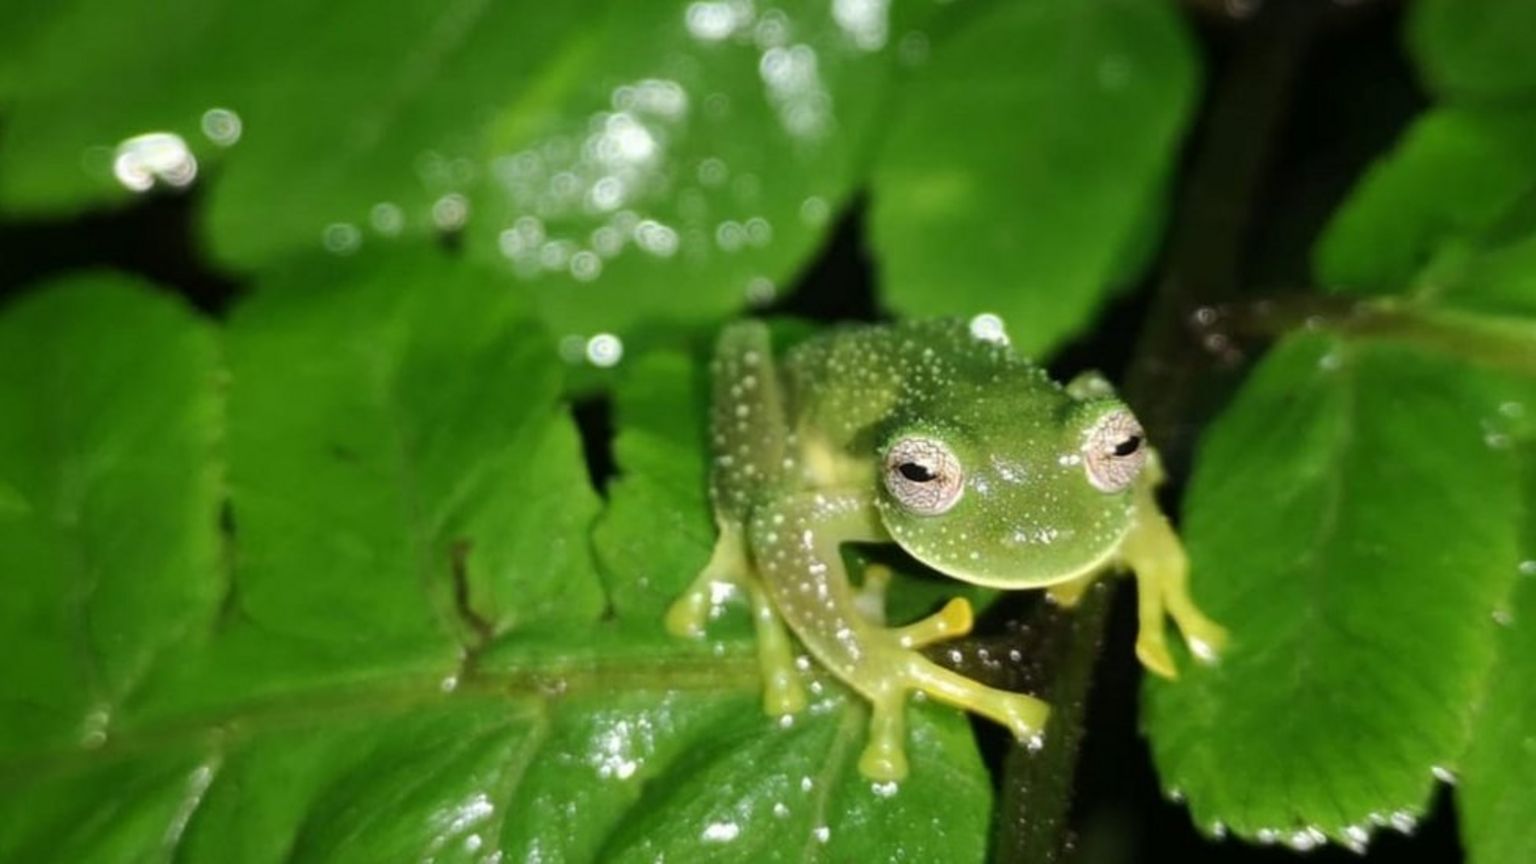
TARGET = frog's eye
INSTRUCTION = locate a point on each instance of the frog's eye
(1114, 451)
(923, 475)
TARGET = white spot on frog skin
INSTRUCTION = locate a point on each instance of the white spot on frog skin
(720, 832)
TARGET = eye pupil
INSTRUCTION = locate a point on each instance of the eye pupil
(915, 472)
(1128, 446)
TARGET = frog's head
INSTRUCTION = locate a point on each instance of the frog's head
(1022, 491)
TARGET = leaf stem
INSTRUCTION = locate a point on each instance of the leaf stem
(1488, 340)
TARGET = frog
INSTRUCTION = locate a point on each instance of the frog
(937, 436)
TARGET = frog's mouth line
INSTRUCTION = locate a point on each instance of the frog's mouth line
(1104, 560)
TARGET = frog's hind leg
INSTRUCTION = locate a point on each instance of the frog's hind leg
(753, 454)
(727, 567)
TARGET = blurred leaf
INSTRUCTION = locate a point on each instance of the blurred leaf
(630, 161)
(1017, 175)
(400, 652)
(1354, 519)
(1455, 174)
(1475, 51)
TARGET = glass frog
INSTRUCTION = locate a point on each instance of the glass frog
(945, 442)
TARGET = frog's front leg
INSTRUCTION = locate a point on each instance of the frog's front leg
(951, 622)
(795, 543)
(1154, 552)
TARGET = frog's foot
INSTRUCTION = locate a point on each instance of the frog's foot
(884, 757)
(1024, 715)
(1162, 589)
(782, 691)
(951, 622)
(689, 613)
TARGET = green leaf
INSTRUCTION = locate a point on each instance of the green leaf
(400, 650)
(1495, 800)
(1354, 520)
(108, 541)
(1017, 175)
(1456, 173)
(1475, 51)
(628, 161)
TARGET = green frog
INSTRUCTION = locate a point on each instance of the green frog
(935, 436)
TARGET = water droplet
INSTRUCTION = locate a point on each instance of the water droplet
(863, 21)
(712, 172)
(989, 328)
(163, 157)
(885, 790)
(341, 238)
(656, 238)
(450, 212)
(714, 21)
(387, 219)
(720, 832)
(1306, 839)
(814, 211)
(586, 265)
(760, 291)
(222, 126)
(605, 350)
(730, 235)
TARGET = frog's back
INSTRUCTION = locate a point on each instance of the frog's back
(846, 381)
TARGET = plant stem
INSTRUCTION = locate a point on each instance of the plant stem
(1505, 344)
(1246, 106)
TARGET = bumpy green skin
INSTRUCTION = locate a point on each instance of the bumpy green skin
(800, 456)
(1028, 517)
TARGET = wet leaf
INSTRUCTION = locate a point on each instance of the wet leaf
(108, 534)
(1494, 796)
(1020, 166)
(628, 161)
(1354, 519)
(393, 644)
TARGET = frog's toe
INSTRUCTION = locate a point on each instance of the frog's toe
(688, 614)
(1024, 715)
(1206, 639)
(783, 693)
(1152, 651)
(883, 762)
